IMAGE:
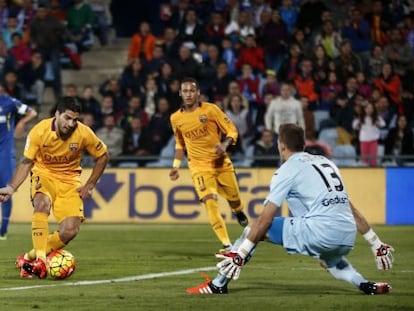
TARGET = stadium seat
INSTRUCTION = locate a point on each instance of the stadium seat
(329, 136)
(344, 155)
(248, 158)
(320, 115)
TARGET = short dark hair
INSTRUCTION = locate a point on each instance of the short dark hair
(191, 80)
(293, 136)
(69, 103)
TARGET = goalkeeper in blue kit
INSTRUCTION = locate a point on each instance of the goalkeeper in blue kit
(323, 225)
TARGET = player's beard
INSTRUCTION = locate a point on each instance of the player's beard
(65, 132)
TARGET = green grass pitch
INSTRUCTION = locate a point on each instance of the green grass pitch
(148, 267)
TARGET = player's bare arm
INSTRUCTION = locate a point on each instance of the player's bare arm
(18, 178)
(100, 163)
(261, 225)
(20, 126)
(222, 148)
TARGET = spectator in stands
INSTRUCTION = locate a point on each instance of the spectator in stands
(221, 81)
(398, 52)
(12, 86)
(259, 122)
(275, 39)
(258, 8)
(380, 23)
(309, 119)
(134, 108)
(135, 140)
(320, 62)
(79, 25)
(173, 95)
(170, 44)
(305, 84)
(159, 129)
(58, 12)
(191, 32)
(163, 77)
(376, 61)
(20, 50)
(32, 77)
(234, 90)
(329, 91)
(348, 63)
(25, 17)
(270, 84)
(342, 113)
(111, 135)
(185, 65)
(238, 29)
(330, 40)
(309, 17)
(229, 54)
(7, 60)
(368, 125)
(357, 31)
(46, 34)
(215, 28)
(249, 86)
(291, 66)
(207, 70)
(142, 44)
(387, 114)
(153, 66)
(178, 14)
(288, 14)
(4, 14)
(9, 30)
(102, 19)
(112, 86)
(251, 54)
(284, 109)
(305, 45)
(107, 108)
(390, 85)
(133, 78)
(150, 97)
(363, 87)
(399, 142)
(265, 150)
(89, 102)
(239, 115)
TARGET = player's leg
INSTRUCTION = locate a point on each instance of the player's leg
(205, 185)
(8, 164)
(341, 269)
(229, 189)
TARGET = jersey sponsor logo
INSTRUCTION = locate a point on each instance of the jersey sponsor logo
(335, 200)
(73, 146)
(198, 133)
(48, 158)
(203, 118)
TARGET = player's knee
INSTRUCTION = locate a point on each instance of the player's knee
(210, 196)
(41, 206)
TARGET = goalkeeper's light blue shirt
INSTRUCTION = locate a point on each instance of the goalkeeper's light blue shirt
(316, 195)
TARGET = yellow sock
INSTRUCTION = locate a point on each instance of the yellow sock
(54, 242)
(40, 231)
(217, 221)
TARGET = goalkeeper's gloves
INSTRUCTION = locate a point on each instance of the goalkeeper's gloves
(231, 265)
(383, 256)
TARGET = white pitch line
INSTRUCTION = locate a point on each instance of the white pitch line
(119, 280)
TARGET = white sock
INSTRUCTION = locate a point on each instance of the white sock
(347, 273)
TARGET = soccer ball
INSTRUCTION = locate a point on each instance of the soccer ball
(60, 264)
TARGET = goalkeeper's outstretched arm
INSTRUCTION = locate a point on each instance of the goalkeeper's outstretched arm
(383, 252)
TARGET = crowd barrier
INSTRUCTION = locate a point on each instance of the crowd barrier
(146, 195)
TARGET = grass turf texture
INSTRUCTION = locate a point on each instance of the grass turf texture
(272, 280)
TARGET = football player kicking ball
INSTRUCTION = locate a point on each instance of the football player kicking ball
(323, 224)
(52, 155)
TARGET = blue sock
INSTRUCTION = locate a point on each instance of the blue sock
(5, 216)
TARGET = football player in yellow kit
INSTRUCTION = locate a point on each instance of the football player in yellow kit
(52, 155)
(199, 128)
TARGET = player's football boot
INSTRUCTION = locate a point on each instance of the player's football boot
(37, 267)
(207, 288)
(241, 218)
(225, 249)
(24, 274)
(375, 288)
(21, 260)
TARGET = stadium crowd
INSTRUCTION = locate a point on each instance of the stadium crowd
(341, 69)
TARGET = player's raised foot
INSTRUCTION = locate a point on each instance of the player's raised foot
(3, 237)
(20, 260)
(37, 267)
(207, 288)
(375, 288)
(241, 218)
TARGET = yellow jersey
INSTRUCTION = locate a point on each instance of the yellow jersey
(198, 132)
(59, 158)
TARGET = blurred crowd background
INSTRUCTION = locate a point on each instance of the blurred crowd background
(341, 69)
